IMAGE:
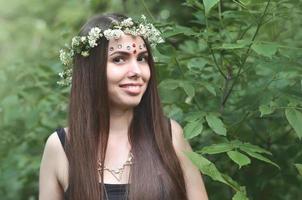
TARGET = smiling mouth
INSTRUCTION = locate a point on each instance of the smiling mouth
(131, 89)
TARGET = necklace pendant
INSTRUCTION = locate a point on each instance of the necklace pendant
(116, 173)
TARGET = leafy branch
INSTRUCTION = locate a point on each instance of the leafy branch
(226, 96)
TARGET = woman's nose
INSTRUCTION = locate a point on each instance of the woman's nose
(134, 68)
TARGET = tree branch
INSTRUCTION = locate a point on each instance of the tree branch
(246, 54)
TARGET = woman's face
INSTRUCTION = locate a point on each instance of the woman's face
(128, 71)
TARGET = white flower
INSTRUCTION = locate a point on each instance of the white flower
(61, 74)
(113, 34)
(131, 31)
(93, 35)
(94, 32)
(65, 57)
(117, 33)
(143, 17)
(85, 53)
(75, 41)
(127, 22)
(66, 77)
(83, 39)
(142, 30)
(92, 42)
(160, 40)
(108, 34)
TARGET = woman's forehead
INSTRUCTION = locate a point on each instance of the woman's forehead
(127, 39)
(127, 43)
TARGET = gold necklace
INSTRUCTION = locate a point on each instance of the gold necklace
(117, 173)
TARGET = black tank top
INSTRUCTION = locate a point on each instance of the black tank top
(114, 191)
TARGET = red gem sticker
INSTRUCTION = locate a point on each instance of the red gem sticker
(133, 45)
(134, 51)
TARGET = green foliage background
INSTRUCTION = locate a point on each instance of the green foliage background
(229, 72)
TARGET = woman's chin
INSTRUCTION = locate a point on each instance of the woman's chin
(127, 104)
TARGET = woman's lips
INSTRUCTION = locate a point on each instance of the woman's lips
(132, 89)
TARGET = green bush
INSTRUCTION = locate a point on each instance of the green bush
(229, 72)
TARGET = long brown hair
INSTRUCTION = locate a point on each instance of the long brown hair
(156, 172)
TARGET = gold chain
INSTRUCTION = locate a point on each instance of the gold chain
(117, 173)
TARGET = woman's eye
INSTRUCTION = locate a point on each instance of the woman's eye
(118, 60)
(142, 59)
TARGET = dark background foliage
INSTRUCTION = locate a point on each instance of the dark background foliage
(229, 73)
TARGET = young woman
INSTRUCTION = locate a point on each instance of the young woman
(118, 144)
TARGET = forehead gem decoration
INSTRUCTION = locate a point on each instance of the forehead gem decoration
(119, 46)
(128, 47)
(111, 49)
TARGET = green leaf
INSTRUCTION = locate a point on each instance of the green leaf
(177, 30)
(192, 129)
(193, 3)
(299, 168)
(197, 63)
(240, 196)
(260, 157)
(210, 88)
(217, 148)
(169, 84)
(192, 116)
(236, 143)
(267, 50)
(208, 168)
(232, 183)
(173, 112)
(205, 166)
(208, 4)
(245, 2)
(253, 148)
(188, 88)
(216, 124)
(232, 46)
(239, 158)
(265, 110)
(165, 49)
(294, 118)
(238, 45)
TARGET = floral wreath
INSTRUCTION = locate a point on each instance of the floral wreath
(82, 44)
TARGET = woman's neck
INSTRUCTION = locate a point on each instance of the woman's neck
(120, 121)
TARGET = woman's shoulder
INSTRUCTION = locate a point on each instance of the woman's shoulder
(54, 140)
(54, 162)
(178, 139)
(53, 144)
(176, 129)
(194, 183)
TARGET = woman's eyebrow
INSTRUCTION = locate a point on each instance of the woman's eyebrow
(143, 52)
(126, 53)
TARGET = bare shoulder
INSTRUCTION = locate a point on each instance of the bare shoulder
(194, 183)
(53, 153)
(53, 145)
(178, 139)
(53, 169)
